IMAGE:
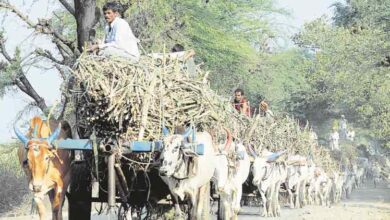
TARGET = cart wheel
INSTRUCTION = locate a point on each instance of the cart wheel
(79, 196)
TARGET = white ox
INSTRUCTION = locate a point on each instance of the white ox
(230, 175)
(338, 181)
(349, 182)
(320, 188)
(311, 167)
(267, 176)
(174, 172)
(297, 175)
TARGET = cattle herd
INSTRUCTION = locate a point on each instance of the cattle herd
(189, 176)
(229, 165)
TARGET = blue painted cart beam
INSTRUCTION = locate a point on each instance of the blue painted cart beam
(74, 144)
(143, 146)
(133, 146)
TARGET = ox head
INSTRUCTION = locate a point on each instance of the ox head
(172, 154)
(292, 175)
(221, 172)
(39, 155)
(259, 170)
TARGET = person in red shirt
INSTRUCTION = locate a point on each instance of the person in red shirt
(240, 103)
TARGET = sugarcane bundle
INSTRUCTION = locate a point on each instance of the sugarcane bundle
(134, 101)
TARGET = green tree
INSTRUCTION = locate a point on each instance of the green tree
(349, 71)
(229, 37)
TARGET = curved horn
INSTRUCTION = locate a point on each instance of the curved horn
(187, 132)
(229, 139)
(165, 131)
(55, 134)
(275, 156)
(20, 135)
(252, 151)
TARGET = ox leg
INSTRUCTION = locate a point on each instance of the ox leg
(311, 194)
(290, 196)
(277, 205)
(296, 196)
(302, 194)
(222, 206)
(269, 196)
(237, 201)
(178, 212)
(321, 198)
(264, 201)
(194, 205)
(56, 204)
(203, 207)
(38, 199)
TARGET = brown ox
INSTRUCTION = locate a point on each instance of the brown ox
(47, 169)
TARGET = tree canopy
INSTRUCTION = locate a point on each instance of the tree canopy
(338, 68)
(349, 71)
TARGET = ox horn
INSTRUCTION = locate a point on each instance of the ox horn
(187, 132)
(165, 131)
(252, 151)
(229, 139)
(20, 135)
(275, 156)
(55, 134)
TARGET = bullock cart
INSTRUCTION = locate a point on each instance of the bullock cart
(119, 110)
(136, 187)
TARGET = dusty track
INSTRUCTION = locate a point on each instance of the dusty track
(366, 203)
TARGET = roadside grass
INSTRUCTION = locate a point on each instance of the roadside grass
(14, 193)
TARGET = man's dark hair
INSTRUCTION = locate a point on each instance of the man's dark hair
(177, 48)
(114, 6)
(240, 91)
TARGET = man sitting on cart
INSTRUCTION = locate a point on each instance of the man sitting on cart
(119, 39)
(240, 103)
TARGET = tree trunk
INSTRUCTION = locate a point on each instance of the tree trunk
(86, 15)
(24, 84)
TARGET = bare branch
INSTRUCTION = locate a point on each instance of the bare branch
(47, 54)
(3, 50)
(68, 7)
(61, 71)
(17, 12)
(42, 26)
(21, 80)
(27, 88)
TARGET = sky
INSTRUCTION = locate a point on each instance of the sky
(47, 82)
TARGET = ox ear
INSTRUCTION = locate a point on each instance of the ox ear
(21, 136)
(165, 131)
(55, 134)
(189, 152)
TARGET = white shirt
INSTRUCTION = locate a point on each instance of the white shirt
(334, 136)
(174, 55)
(120, 37)
(343, 124)
(269, 114)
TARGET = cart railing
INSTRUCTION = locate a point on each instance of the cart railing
(127, 147)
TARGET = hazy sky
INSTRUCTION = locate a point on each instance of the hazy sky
(47, 82)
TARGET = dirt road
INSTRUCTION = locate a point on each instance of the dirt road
(366, 203)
